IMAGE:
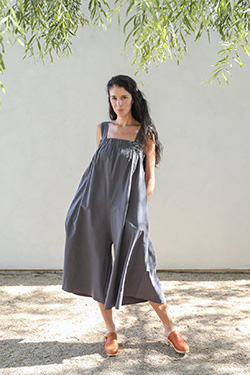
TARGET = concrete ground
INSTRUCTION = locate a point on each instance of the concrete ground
(47, 331)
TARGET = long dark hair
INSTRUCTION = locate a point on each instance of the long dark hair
(139, 111)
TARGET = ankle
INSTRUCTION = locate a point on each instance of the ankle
(168, 329)
(110, 328)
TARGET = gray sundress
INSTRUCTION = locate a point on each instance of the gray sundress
(110, 207)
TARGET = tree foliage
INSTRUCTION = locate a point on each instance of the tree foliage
(160, 28)
(154, 29)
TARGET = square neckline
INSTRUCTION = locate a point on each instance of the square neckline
(122, 139)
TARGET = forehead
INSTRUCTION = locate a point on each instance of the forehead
(118, 91)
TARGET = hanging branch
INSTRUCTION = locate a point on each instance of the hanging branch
(154, 29)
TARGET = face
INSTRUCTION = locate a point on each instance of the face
(121, 100)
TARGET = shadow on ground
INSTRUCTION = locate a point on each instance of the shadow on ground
(54, 352)
(47, 331)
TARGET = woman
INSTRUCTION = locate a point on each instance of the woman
(111, 207)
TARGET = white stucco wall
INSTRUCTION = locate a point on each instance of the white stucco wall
(200, 210)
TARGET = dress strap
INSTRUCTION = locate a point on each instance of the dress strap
(138, 137)
(104, 128)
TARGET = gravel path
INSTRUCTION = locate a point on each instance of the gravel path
(47, 331)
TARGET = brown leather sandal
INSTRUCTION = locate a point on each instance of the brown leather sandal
(111, 343)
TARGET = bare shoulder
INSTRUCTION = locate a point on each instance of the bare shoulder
(99, 128)
(98, 134)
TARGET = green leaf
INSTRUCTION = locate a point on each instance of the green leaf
(2, 62)
(21, 6)
(132, 2)
(225, 78)
(2, 88)
(245, 49)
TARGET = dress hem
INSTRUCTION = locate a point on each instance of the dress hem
(127, 300)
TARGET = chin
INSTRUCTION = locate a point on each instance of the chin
(121, 114)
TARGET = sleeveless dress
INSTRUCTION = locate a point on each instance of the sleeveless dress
(110, 207)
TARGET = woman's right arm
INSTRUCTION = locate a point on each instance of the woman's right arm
(98, 134)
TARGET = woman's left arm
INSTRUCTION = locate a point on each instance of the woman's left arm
(150, 168)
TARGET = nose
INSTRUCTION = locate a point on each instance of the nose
(120, 102)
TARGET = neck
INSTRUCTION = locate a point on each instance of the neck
(125, 121)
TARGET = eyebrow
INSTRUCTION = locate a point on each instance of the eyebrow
(114, 96)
